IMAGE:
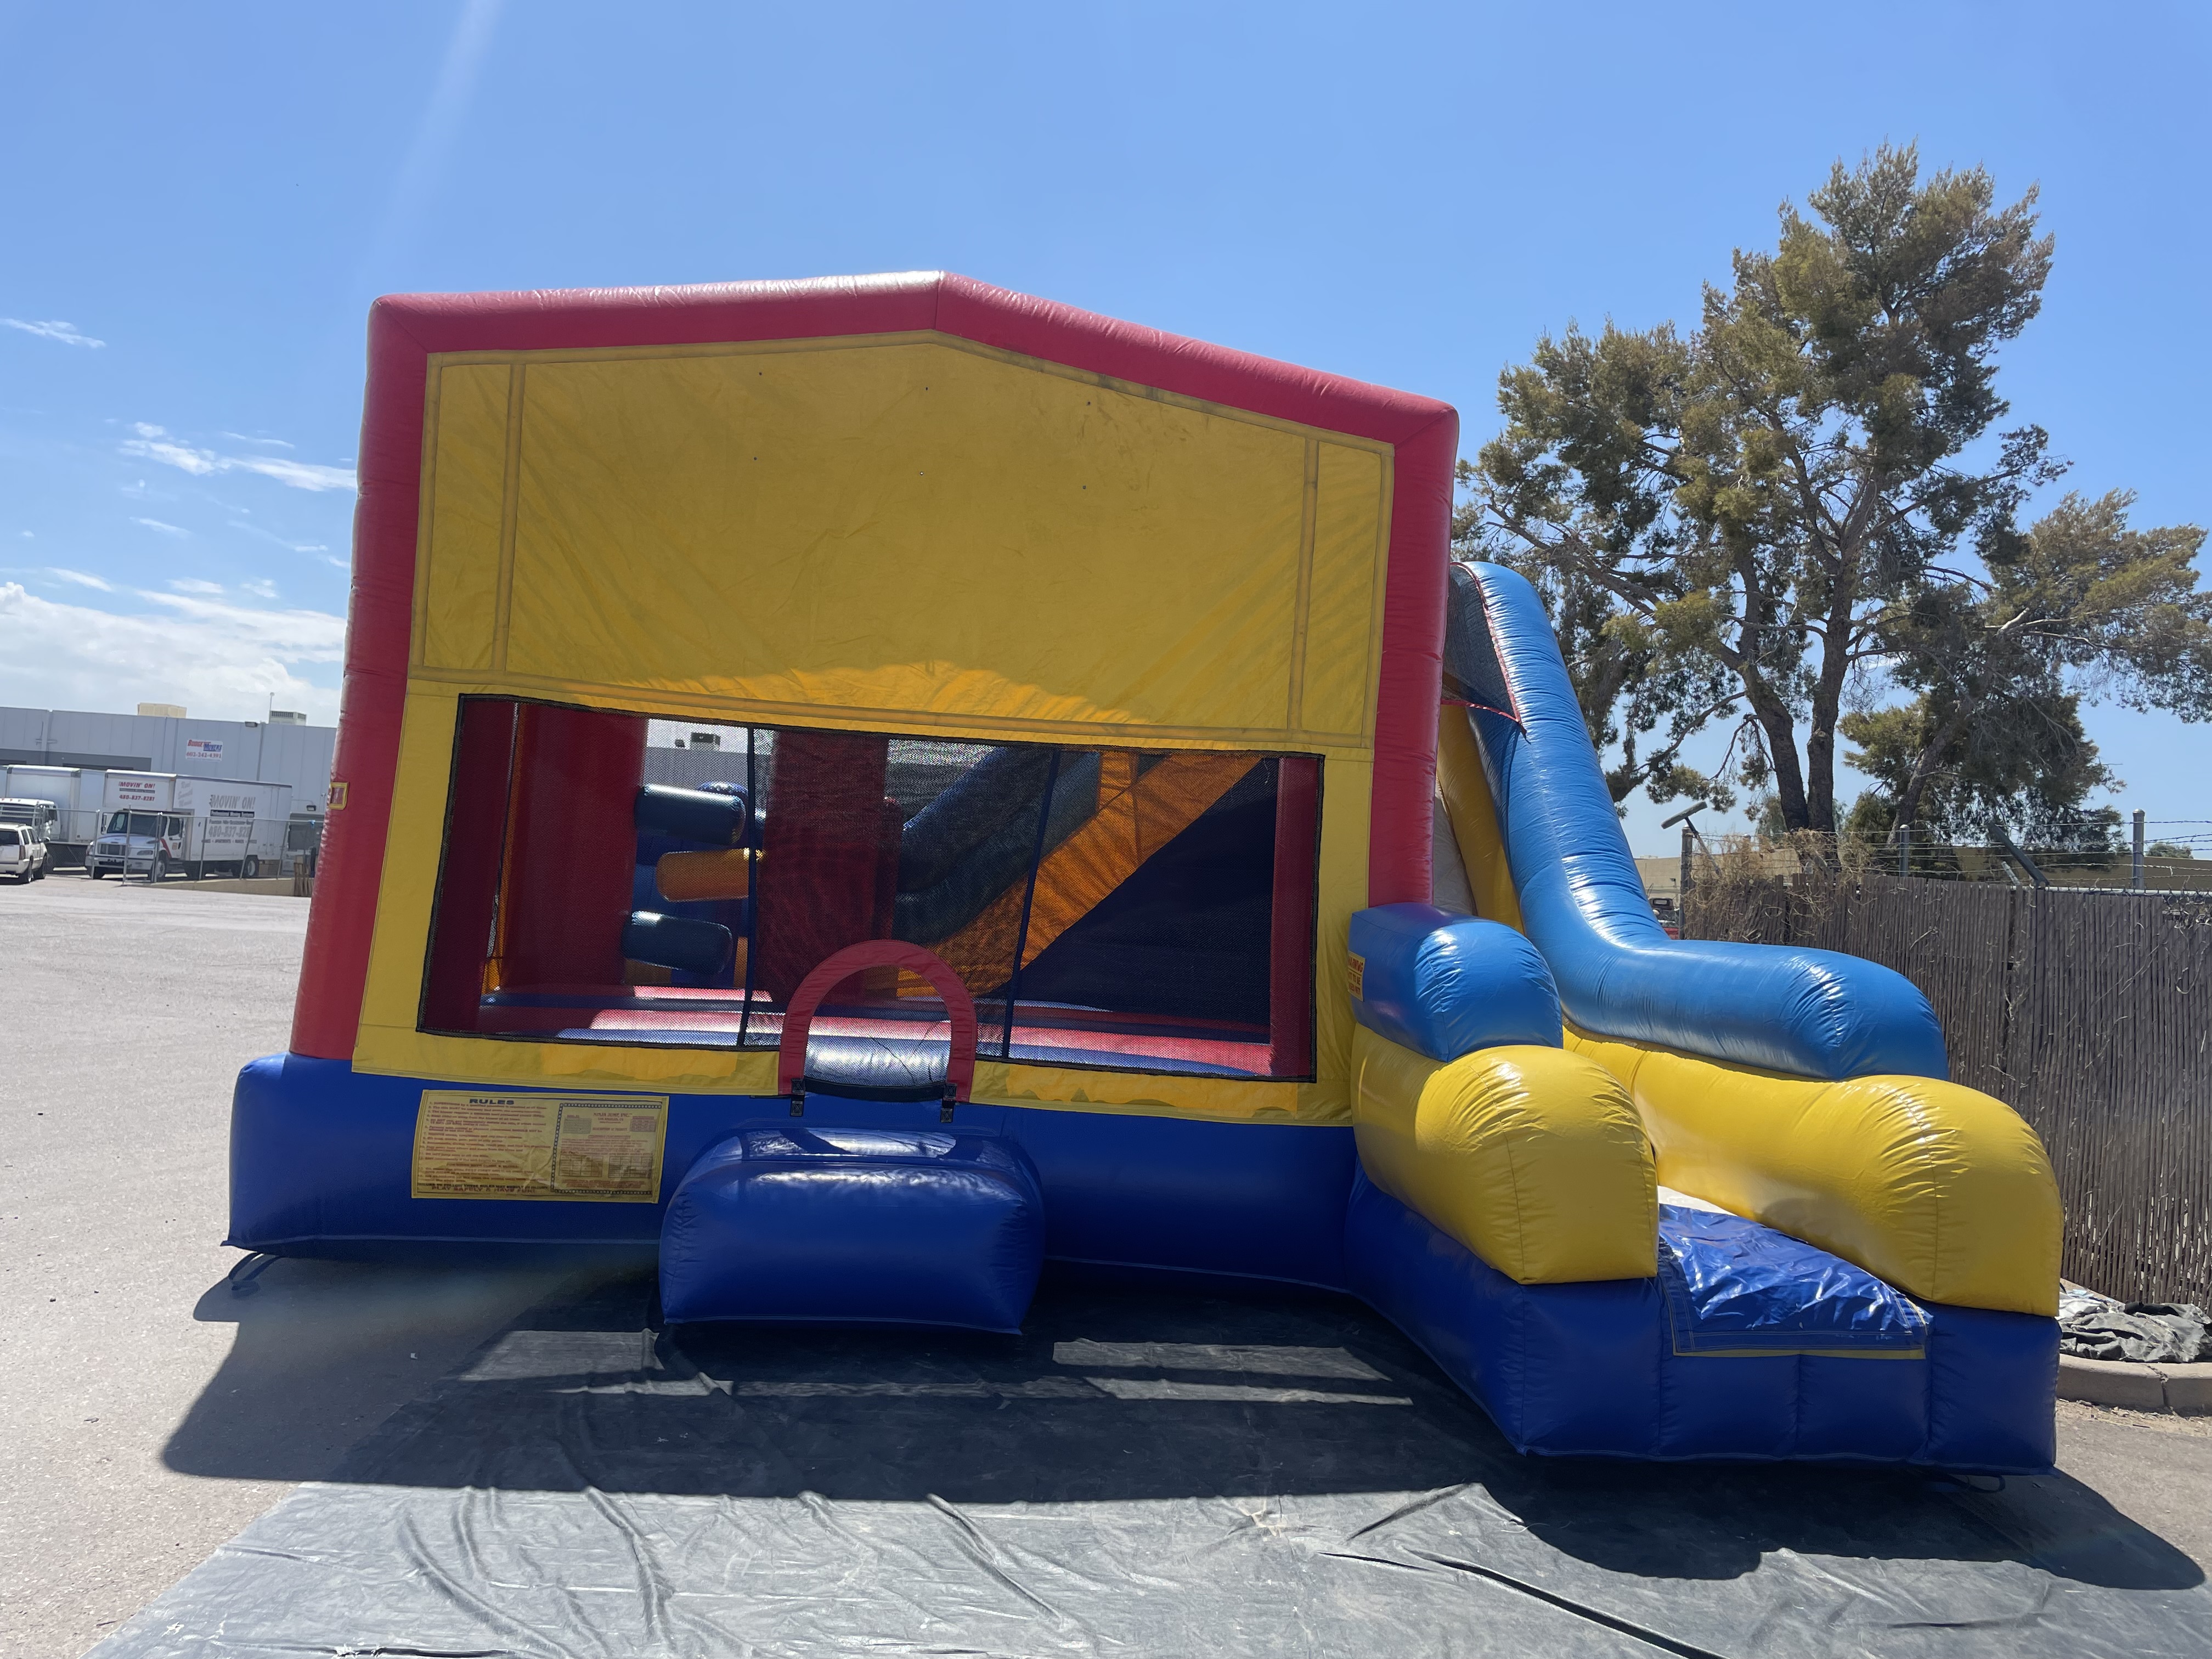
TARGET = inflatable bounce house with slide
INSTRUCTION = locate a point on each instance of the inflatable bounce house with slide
(1063, 889)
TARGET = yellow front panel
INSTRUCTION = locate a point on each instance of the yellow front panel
(466, 491)
(914, 533)
(1341, 631)
(904, 528)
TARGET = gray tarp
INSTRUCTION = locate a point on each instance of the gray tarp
(1142, 1473)
(2092, 1326)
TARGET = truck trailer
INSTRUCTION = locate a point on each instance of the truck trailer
(78, 797)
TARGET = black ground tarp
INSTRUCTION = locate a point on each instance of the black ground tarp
(1143, 1472)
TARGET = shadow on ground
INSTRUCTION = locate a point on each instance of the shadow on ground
(324, 1351)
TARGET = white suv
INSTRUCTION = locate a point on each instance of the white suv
(23, 854)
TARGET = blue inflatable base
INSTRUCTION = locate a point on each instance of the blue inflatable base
(1667, 1368)
(321, 1157)
(1747, 1344)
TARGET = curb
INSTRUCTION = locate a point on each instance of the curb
(2136, 1386)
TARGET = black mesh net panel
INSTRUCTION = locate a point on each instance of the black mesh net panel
(1186, 935)
(1103, 907)
(1473, 672)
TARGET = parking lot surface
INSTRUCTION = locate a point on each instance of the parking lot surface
(150, 1413)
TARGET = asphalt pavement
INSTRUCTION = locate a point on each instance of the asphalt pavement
(148, 1413)
(151, 1413)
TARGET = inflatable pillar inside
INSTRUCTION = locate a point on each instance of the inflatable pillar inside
(1046, 874)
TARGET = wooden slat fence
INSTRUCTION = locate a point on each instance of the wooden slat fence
(2090, 1014)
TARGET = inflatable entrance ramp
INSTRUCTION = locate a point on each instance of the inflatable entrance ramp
(1044, 876)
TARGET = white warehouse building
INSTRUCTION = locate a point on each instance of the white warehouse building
(283, 749)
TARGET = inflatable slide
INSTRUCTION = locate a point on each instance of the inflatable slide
(1056, 885)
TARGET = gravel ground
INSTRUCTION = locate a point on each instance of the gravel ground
(150, 1413)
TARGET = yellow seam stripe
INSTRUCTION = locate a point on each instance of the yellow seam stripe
(1294, 716)
(510, 471)
(889, 720)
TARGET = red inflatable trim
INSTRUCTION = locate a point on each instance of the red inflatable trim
(833, 970)
(403, 331)
(1289, 928)
(1401, 826)
(468, 881)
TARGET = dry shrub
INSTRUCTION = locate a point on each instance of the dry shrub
(1774, 891)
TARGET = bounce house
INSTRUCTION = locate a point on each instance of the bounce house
(1074, 714)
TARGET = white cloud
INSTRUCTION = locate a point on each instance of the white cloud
(261, 587)
(27, 535)
(212, 657)
(300, 474)
(197, 462)
(272, 537)
(189, 584)
(65, 332)
(166, 529)
(82, 579)
(154, 443)
(248, 438)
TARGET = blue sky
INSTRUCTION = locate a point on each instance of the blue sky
(1406, 194)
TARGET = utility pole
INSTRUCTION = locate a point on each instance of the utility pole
(2138, 880)
(1904, 849)
(1682, 885)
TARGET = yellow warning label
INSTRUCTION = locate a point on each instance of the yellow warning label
(1357, 977)
(595, 1148)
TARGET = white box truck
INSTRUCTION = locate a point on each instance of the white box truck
(160, 823)
(78, 795)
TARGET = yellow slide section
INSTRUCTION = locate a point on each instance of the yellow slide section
(1936, 1188)
(1466, 791)
(1532, 1158)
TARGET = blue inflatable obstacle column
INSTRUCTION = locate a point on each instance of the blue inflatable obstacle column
(693, 883)
(1506, 1217)
(872, 1202)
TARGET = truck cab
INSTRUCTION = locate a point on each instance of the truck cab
(41, 818)
(132, 842)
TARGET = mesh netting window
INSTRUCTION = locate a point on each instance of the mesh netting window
(1141, 909)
